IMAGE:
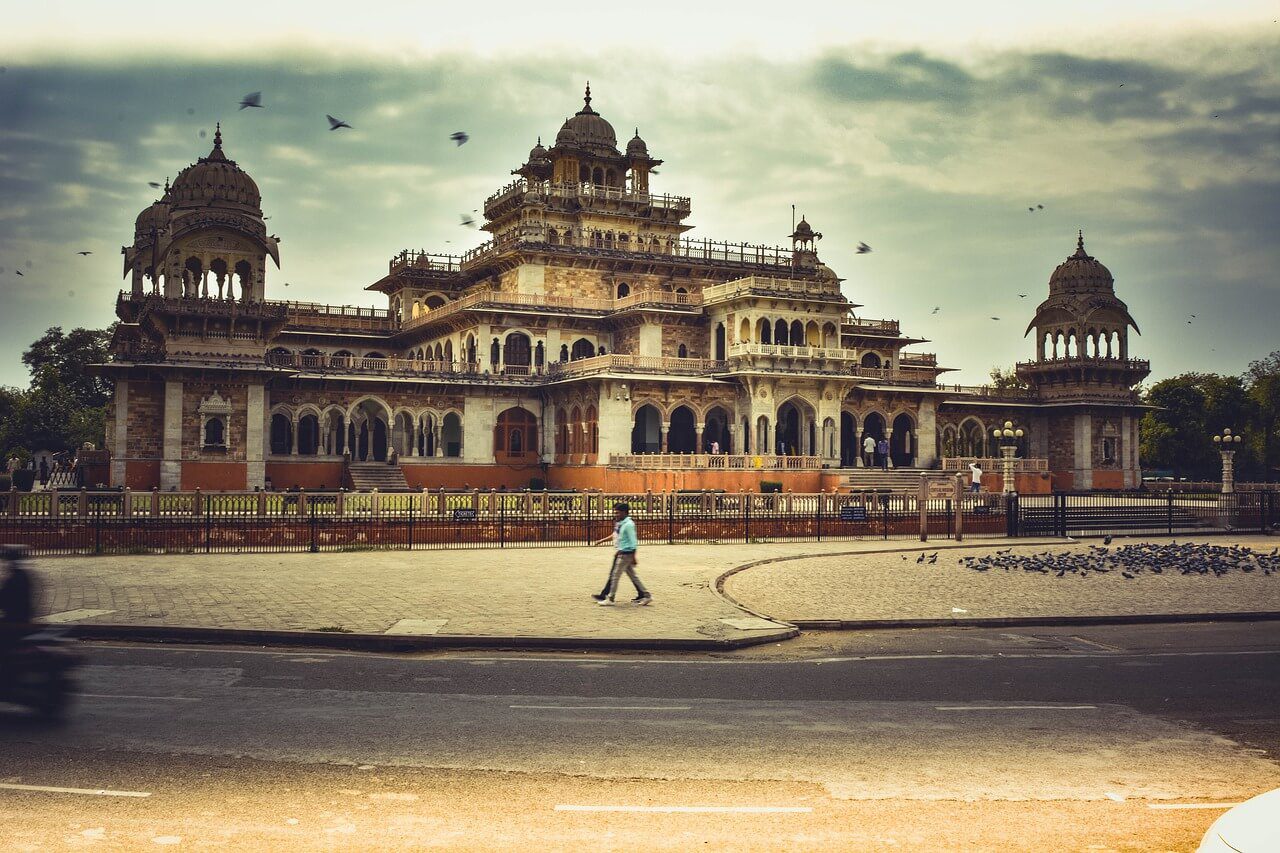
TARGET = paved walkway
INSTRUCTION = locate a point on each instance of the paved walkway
(545, 592)
(879, 586)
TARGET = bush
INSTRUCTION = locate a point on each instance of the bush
(24, 479)
(770, 487)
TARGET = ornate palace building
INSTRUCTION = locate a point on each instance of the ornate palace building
(590, 343)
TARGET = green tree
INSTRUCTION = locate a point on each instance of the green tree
(1174, 435)
(70, 355)
(1263, 389)
(1007, 380)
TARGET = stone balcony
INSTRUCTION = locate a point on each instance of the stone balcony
(787, 288)
(579, 195)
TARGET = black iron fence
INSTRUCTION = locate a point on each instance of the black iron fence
(96, 523)
(1099, 513)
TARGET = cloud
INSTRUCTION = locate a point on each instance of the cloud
(931, 158)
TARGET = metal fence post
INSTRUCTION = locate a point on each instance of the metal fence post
(1170, 512)
(502, 522)
(315, 542)
(97, 527)
(746, 519)
(201, 502)
(413, 506)
(1011, 516)
(922, 504)
(671, 517)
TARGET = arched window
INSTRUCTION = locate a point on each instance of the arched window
(308, 435)
(451, 434)
(582, 348)
(780, 333)
(593, 430)
(871, 359)
(744, 332)
(720, 341)
(515, 435)
(281, 435)
(215, 434)
(624, 289)
(765, 332)
(682, 352)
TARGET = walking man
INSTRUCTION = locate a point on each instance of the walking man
(975, 477)
(868, 451)
(882, 450)
(624, 559)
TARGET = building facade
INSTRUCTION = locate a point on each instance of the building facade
(590, 343)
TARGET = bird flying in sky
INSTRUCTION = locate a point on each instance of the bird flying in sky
(863, 248)
(468, 221)
(253, 99)
(936, 309)
(86, 252)
(460, 137)
(155, 185)
(335, 123)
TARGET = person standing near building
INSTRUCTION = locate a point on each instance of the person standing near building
(868, 451)
(882, 450)
(975, 477)
(624, 558)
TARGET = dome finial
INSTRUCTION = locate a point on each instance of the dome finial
(587, 97)
(1080, 240)
(217, 137)
(539, 138)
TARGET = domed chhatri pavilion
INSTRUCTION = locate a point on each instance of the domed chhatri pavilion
(590, 343)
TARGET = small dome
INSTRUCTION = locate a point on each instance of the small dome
(215, 181)
(566, 136)
(636, 146)
(155, 215)
(537, 154)
(1081, 272)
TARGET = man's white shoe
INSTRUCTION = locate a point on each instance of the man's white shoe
(605, 602)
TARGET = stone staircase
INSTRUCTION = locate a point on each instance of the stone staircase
(367, 476)
(895, 479)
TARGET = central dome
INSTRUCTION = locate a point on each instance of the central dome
(215, 181)
(1081, 272)
(588, 129)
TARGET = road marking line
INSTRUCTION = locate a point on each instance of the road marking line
(1166, 806)
(131, 696)
(1015, 707)
(690, 809)
(606, 707)
(73, 615)
(97, 792)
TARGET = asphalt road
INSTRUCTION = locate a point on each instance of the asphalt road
(1083, 738)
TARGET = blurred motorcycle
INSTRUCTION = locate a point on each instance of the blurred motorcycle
(36, 672)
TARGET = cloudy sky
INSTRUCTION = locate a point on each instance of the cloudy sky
(925, 130)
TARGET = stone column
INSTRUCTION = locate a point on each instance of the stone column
(927, 434)
(120, 437)
(415, 430)
(888, 437)
(293, 437)
(697, 437)
(255, 427)
(439, 447)
(171, 455)
(1082, 468)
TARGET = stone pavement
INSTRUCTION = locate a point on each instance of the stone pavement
(545, 592)
(881, 586)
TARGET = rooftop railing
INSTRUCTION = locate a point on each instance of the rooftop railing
(424, 260)
(713, 251)
(784, 351)
(860, 325)
(767, 286)
(1020, 466)
(623, 363)
(347, 318)
(991, 391)
(543, 302)
(709, 461)
(1088, 361)
(548, 191)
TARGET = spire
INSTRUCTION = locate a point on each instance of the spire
(539, 138)
(1080, 252)
(217, 137)
(587, 97)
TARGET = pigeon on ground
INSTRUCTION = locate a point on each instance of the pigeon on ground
(335, 123)
(1106, 540)
(459, 137)
(253, 99)
(920, 559)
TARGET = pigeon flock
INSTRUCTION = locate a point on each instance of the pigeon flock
(1132, 560)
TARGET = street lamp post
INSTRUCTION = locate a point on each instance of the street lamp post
(1227, 444)
(1007, 437)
